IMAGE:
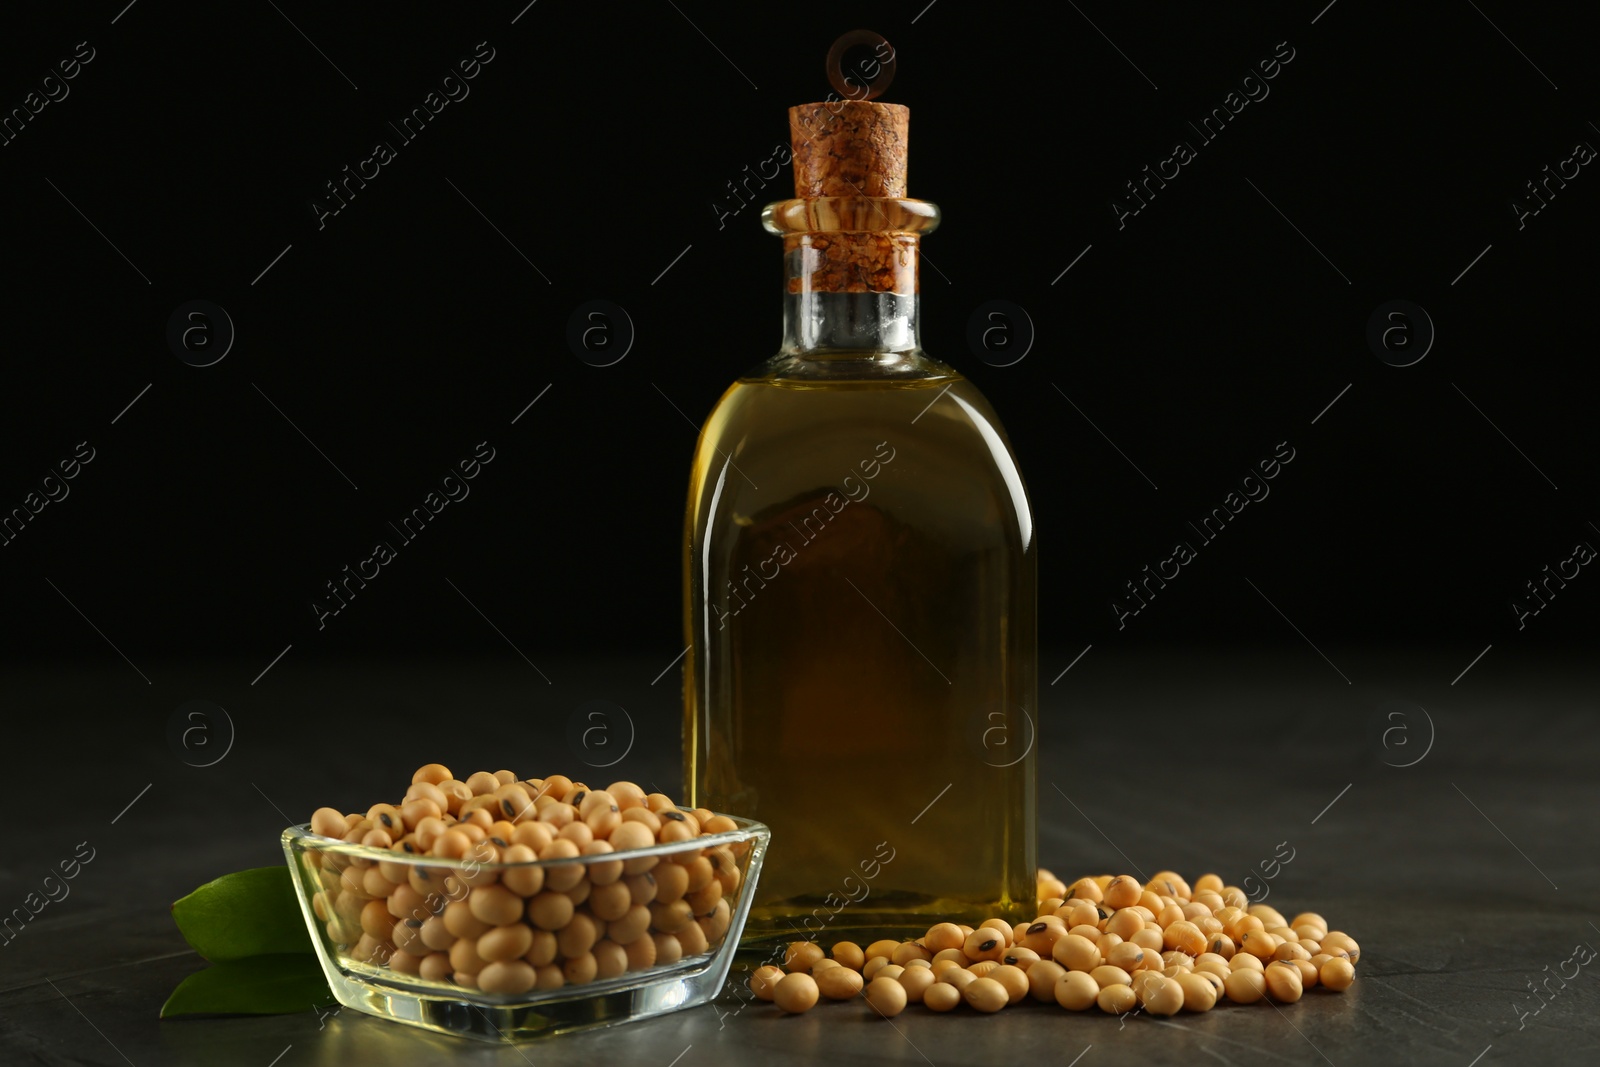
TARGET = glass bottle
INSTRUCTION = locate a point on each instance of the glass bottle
(859, 582)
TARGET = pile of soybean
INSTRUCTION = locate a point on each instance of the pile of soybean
(486, 918)
(1108, 941)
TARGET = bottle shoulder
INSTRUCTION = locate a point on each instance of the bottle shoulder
(770, 431)
(873, 389)
(853, 370)
(925, 387)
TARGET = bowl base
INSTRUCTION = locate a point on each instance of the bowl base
(635, 996)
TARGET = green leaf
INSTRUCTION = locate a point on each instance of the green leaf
(251, 913)
(260, 985)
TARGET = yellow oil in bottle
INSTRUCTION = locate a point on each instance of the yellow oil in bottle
(860, 604)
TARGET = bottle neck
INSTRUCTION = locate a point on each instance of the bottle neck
(850, 275)
(851, 310)
(819, 325)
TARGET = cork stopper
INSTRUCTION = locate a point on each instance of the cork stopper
(854, 150)
(849, 148)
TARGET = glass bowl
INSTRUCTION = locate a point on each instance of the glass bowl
(598, 956)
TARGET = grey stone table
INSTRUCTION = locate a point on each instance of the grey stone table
(1451, 828)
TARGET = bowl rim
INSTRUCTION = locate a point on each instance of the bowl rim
(300, 837)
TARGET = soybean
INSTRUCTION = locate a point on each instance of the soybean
(1012, 978)
(888, 996)
(986, 995)
(1075, 990)
(1042, 979)
(1283, 982)
(1199, 991)
(838, 982)
(506, 976)
(801, 955)
(1116, 999)
(916, 981)
(850, 954)
(941, 997)
(1245, 986)
(1077, 953)
(1337, 974)
(1105, 975)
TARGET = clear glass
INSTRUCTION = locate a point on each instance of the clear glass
(859, 594)
(344, 889)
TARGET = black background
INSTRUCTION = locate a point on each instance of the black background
(595, 145)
